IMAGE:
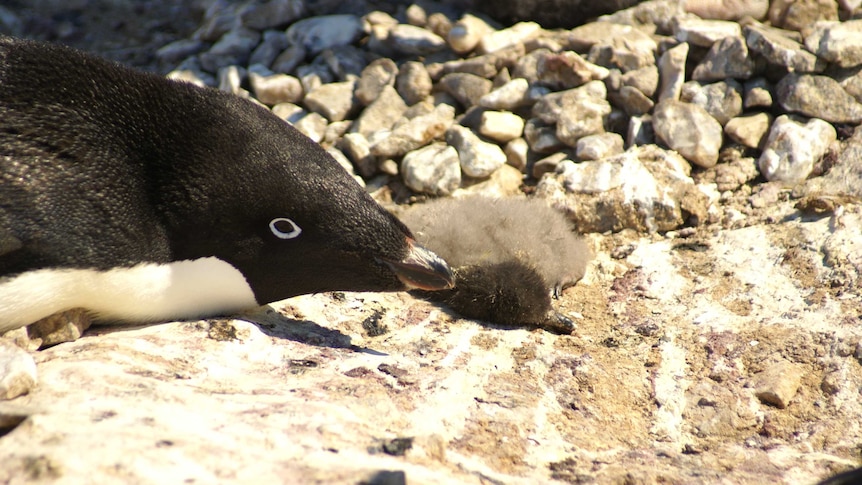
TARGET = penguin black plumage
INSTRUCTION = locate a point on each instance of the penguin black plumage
(145, 199)
(508, 256)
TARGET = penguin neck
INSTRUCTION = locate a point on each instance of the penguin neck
(144, 293)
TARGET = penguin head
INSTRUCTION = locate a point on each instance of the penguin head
(291, 219)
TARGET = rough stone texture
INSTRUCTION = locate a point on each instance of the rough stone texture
(646, 189)
(17, 371)
(749, 130)
(335, 101)
(690, 130)
(478, 158)
(779, 48)
(434, 169)
(416, 132)
(793, 147)
(671, 67)
(818, 97)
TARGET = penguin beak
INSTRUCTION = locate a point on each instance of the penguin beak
(421, 269)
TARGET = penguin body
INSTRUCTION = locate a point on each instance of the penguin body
(508, 256)
(142, 199)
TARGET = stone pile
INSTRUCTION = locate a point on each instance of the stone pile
(442, 100)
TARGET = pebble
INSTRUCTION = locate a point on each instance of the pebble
(466, 88)
(271, 45)
(274, 13)
(630, 51)
(413, 82)
(466, 33)
(479, 159)
(758, 94)
(779, 49)
(289, 112)
(434, 169)
(501, 39)
(596, 147)
(382, 113)
(312, 125)
(416, 132)
(509, 96)
(644, 80)
(690, 130)
(704, 32)
(837, 42)
(275, 88)
(501, 126)
(793, 147)
(316, 34)
(722, 100)
(778, 383)
(577, 112)
(727, 58)
(566, 70)
(234, 48)
(412, 40)
(749, 130)
(289, 59)
(671, 66)
(516, 153)
(818, 97)
(17, 371)
(335, 101)
(358, 149)
(374, 78)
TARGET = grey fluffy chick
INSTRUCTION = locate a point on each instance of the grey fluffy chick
(508, 256)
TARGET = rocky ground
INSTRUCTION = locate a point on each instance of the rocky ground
(711, 160)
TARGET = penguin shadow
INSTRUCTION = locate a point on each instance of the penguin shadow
(277, 325)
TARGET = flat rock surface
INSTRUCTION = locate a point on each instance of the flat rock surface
(656, 384)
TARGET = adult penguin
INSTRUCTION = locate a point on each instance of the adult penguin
(145, 199)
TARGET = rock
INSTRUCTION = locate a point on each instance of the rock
(516, 153)
(274, 13)
(358, 149)
(793, 147)
(541, 136)
(382, 113)
(501, 126)
(434, 169)
(566, 70)
(316, 34)
(61, 327)
(577, 112)
(335, 101)
(312, 125)
(817, 97)
(727, 58)
(17, 371)
(645, 188)
(800, 16)
(416, 133)
(780, 49)
(690, 130)
(466, 88)
(837, 42)
(596, 147)
(845, 177)
(727, 10)
(628, 52)
(479, 159)
(509, 96)
(346, 62)
(413, 82)
(548, 164)
(374, 78)
(275, 88)
(178, 50)
(271, 45)
(289, 112)
(634, 102)
(704, 33)
(466, 33)
(758, 94)
(749, 130)
(722, 100)
(412, 40)
(289, 59)
(234, 48)
(640, 131)
(644, 80)
(671, 67)
(516, 34)
(777, 385)
(731, 175)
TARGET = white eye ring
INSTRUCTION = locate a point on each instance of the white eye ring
(294, 232)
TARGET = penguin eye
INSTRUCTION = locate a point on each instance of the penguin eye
(284, 228)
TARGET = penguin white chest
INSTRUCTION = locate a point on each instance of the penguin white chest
(143, 293)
